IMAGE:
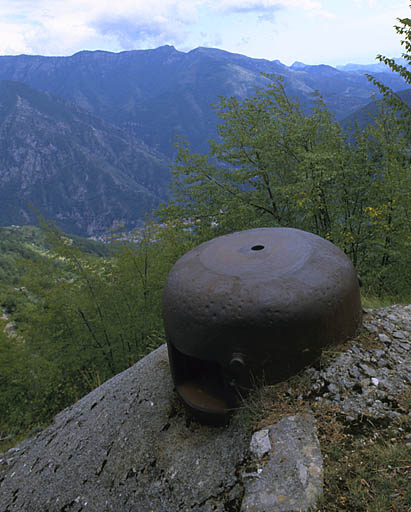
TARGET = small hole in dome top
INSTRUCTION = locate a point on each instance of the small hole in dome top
(257, 247)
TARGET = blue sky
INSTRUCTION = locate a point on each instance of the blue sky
(311, 31)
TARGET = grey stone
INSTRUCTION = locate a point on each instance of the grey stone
(379, 353)
(355, 350)
(368, 370)
(399, 335)
(381, 394)
(365, 383)
(348, 384)
(126, 447)
(332, 388)
(292, 478)
(365, 356)
(260, 443)
(370, 327)
(348, 370)
(354, 372)
(384, 338)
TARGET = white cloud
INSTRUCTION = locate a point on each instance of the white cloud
(267, 8)
(232, 4)
(272, 28)
(13, 40)
(64, 26)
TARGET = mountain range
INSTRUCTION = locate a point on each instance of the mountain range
(88, 139)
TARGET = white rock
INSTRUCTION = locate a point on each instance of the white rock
(260, 443)
(384, 338)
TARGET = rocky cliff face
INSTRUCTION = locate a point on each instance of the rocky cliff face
(71, 166)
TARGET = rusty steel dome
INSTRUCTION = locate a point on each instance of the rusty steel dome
(252, 305)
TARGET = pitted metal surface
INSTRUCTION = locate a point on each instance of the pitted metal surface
(255, 304)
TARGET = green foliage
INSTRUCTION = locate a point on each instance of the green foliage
(20, 245)
(276, 165)
(84, 318)
(393, 99)
(17, 242)
(83, 314)
(27, 392)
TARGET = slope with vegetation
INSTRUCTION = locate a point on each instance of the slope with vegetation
(85, 318)
(276, 165)
(87, 139)
(81, 316)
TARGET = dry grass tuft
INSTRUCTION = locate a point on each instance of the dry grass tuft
(367, 462)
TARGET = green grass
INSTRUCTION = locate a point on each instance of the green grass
(373, 301)
(370, 299)
(367, 468)
(10, 441)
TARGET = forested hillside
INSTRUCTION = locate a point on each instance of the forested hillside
(87, 140)
(21, 246)
(81, 315)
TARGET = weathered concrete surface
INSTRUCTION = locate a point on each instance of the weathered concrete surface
(126, 447)
(286, 477)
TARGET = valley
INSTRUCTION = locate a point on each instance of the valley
(88, 140)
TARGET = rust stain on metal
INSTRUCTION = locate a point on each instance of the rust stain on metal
(256, 304)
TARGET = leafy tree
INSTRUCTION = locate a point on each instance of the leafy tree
(404, 30)
(388, 208)
(278, 165)
(80, 317)
(85, 319)
(390, 137)
(28, 390)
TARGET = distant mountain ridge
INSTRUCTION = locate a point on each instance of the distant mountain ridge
(364, 116)
(378, 67)
(88, 138)
(157, 93)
